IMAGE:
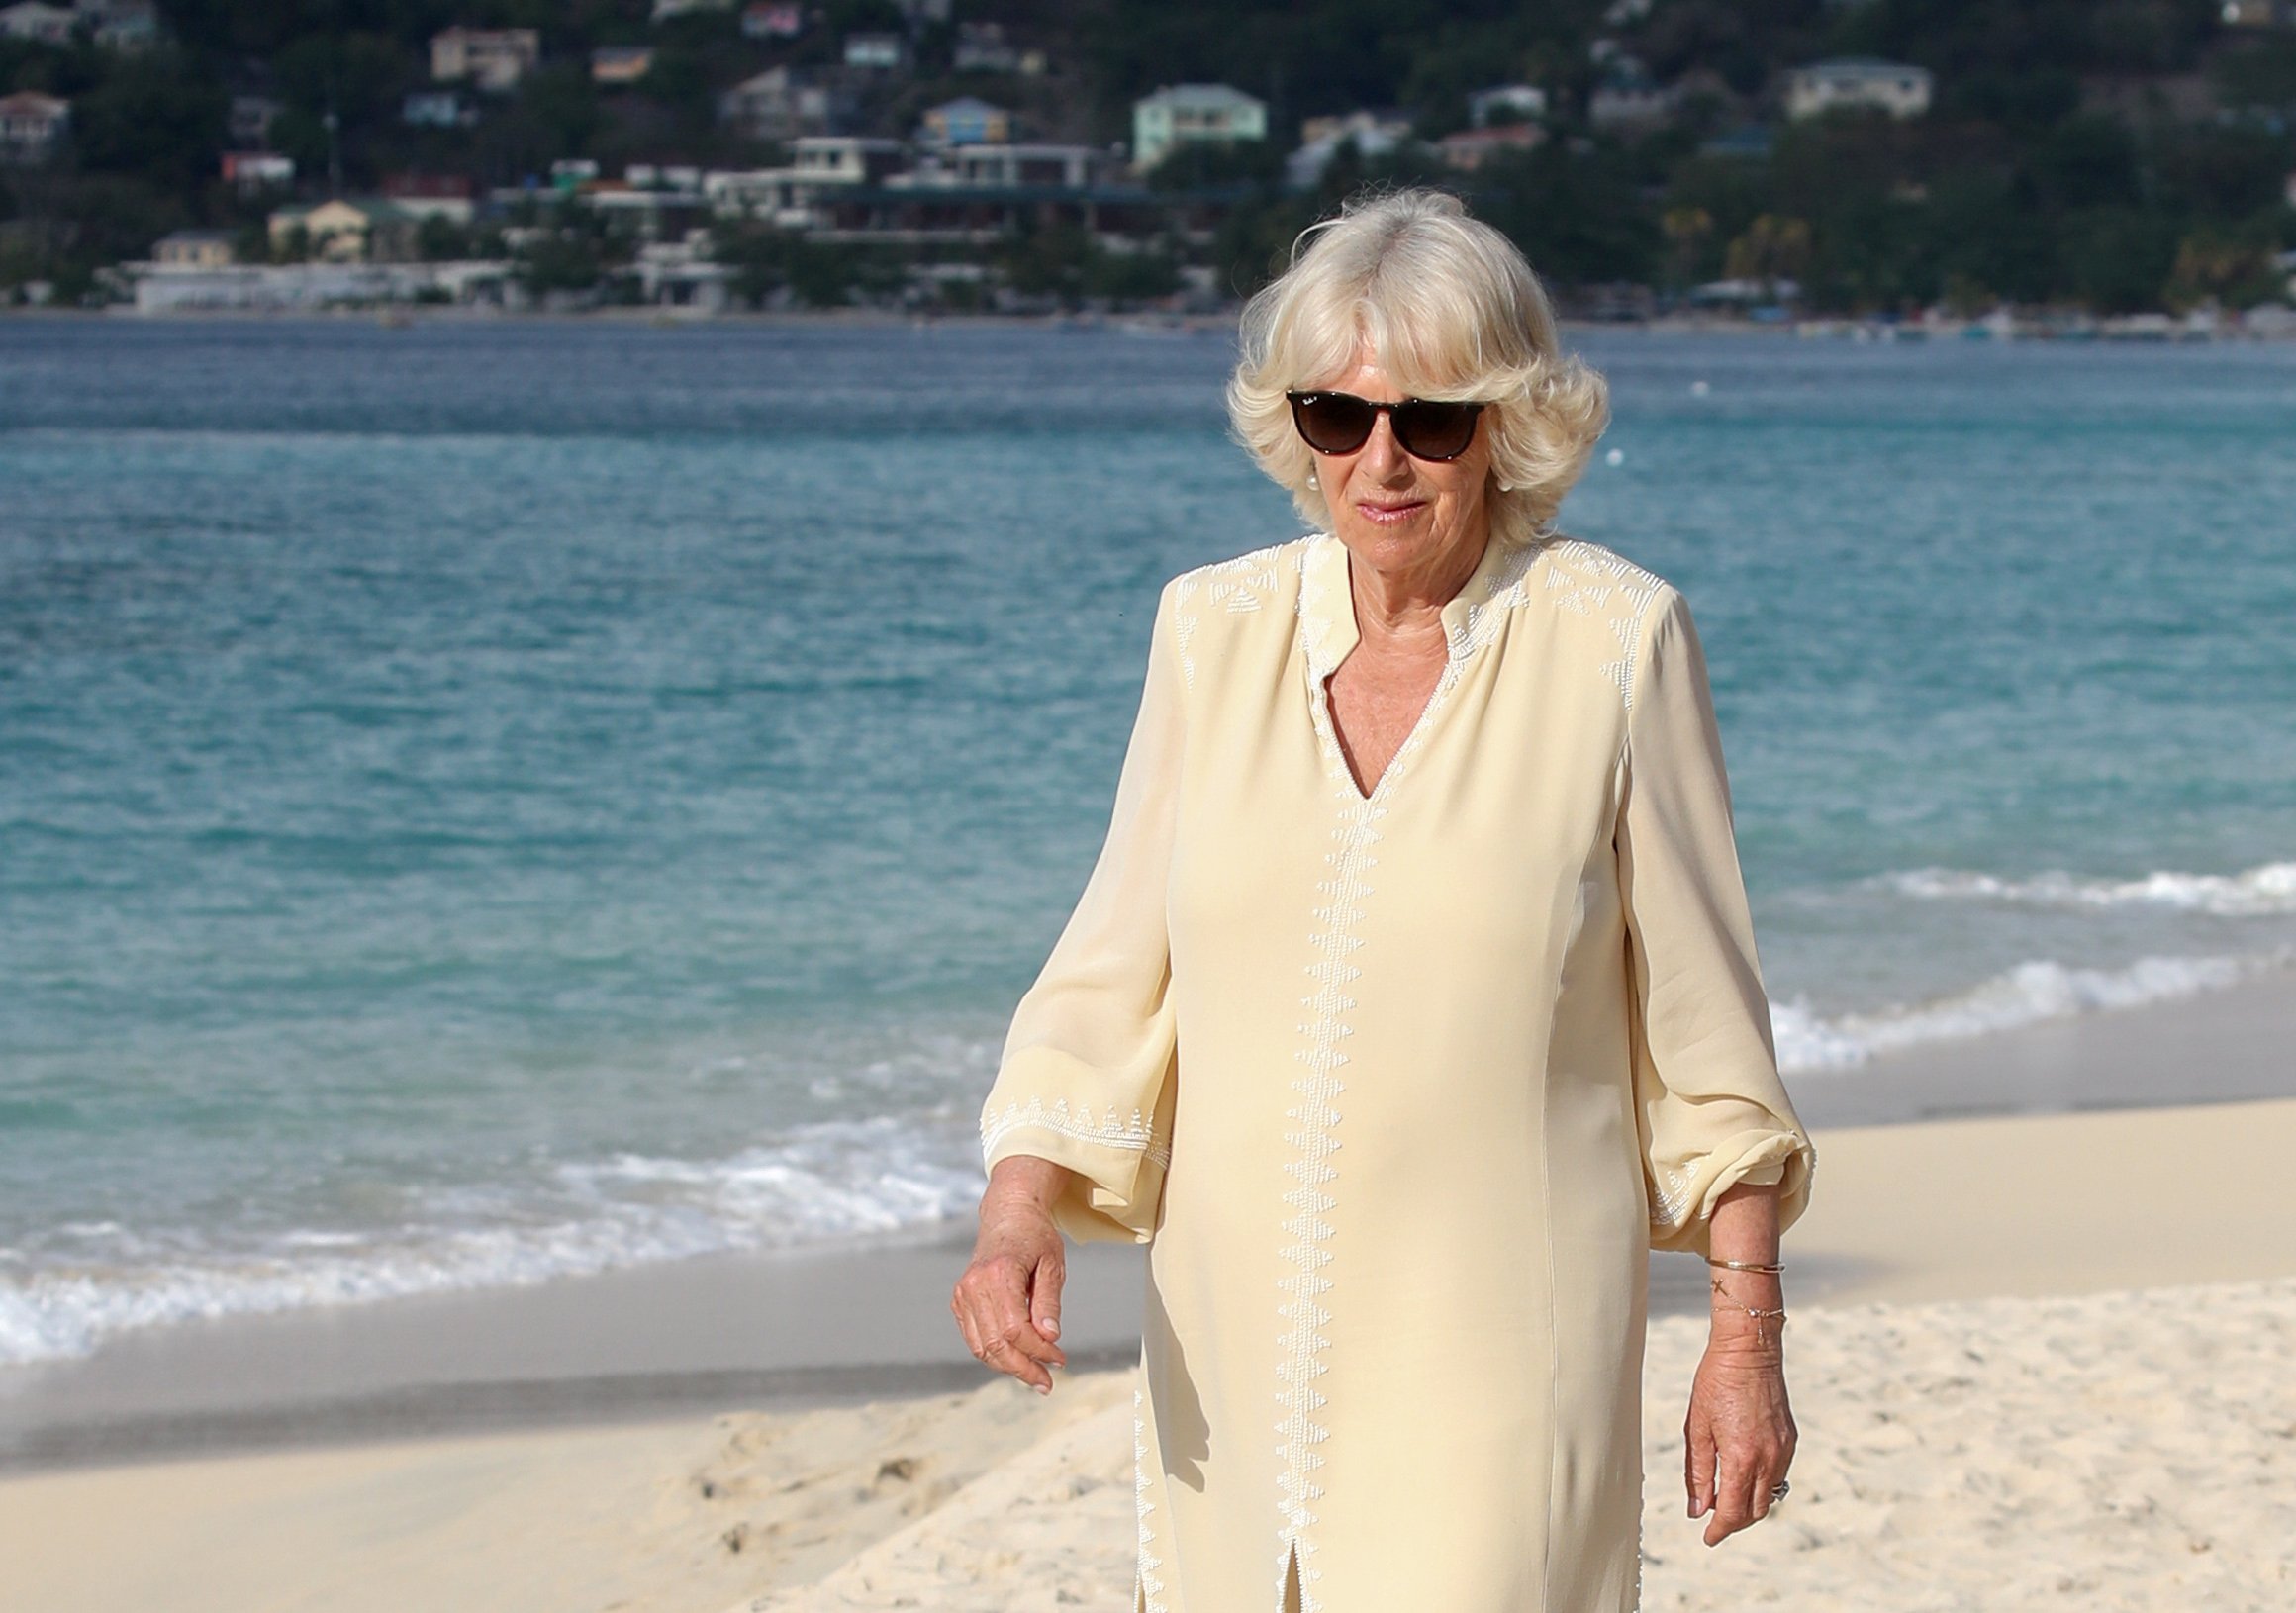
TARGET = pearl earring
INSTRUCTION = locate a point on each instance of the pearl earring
(1311, 481)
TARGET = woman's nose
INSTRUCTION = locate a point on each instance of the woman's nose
(1381, 454)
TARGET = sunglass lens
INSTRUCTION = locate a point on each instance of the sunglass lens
(1333, 422)
(1435, 430)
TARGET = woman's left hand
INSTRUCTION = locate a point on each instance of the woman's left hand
(1740, 1434)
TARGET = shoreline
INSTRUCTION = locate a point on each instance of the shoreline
(846, 1324)
(2152, 328)
(2011, 1367)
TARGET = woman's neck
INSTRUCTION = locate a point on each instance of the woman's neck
(1401, 610)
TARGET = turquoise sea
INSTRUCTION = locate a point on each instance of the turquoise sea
(487, 801)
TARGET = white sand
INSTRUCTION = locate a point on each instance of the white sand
(2003, 1403)
(2120, 1451)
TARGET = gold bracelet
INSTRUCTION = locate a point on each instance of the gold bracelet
(1747, 1265)
(1758, 1315)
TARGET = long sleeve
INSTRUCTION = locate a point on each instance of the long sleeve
(1709, 1106)
(1088, 1074)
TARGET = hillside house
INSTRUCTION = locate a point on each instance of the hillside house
(773, 20)
(1894, 87)
(31, 125)
(123, 25)
(193, 249)
(1506, 104)
(431, 196)
(966, 121)
(1373, 134)
(254, 173)
(492, 58)
(39, 22)
(1194, 114)
(621, 63)
(782, 104)
(340, 231)
(876, 52)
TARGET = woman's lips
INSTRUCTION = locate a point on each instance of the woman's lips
(1388, 515)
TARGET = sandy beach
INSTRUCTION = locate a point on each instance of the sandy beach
(2039, 1358)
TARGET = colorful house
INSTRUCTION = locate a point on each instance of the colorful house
(1194, 114)
(966, 121)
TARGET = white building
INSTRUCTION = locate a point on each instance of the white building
(820, 164)
(1374, 134)
(1894, 88)
(779, 104)
(1008, 167)
(123, 25)
(844, 159)
(1185, 114)
(680, 275)
(254, 172)
(493, 58)
(1631, 100)
(30, 126)
(1506, 104)
(34, 20)
(880, 52)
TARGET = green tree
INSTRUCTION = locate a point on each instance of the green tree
(153, 118)
(2230, 267)
(2115, 259)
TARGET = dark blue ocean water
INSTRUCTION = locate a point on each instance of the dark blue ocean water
(483, 801)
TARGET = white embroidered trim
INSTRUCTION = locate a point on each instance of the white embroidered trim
(1300, 1346)
(1112, 1131)
(1336, 937)
(1672, 1190)
(1151, 1590)
(1238, 586)
(1670, 1197)
(1585, 578)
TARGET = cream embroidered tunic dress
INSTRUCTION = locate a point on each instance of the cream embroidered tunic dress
(1401, 1089)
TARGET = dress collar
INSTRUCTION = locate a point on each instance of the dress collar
(1327, 607)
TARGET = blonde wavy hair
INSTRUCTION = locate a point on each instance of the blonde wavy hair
(1451, 309)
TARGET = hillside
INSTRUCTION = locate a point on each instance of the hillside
(2127, 155)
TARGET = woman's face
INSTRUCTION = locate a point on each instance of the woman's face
(1398, 514)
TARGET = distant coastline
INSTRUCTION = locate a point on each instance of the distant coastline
(2003, 325)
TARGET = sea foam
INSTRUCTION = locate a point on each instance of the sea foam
(2031, 991)
(2265, 891)
(831, 1180)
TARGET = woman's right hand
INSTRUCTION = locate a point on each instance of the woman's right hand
(1007, 1302)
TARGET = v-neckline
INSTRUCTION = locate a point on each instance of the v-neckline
(1330, 635)
(1410, 734)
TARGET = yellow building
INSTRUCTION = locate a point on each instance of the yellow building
(340, 231)
(193, 249)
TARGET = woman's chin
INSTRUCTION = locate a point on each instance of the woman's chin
(1393, 546)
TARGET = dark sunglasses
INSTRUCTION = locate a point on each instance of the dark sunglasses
(1425, 428)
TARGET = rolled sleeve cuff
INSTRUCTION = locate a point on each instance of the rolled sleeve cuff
(1683, 1199)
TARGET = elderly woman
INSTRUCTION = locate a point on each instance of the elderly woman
(1413, 999)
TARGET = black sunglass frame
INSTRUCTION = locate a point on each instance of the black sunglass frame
(1400, 418)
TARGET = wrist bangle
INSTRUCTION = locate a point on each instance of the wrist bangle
(1747, 1265)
